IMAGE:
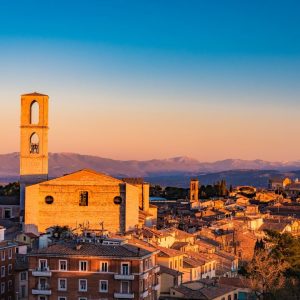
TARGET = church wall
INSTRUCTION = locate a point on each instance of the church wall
(132, 204)
(66, 210)
(31, 207)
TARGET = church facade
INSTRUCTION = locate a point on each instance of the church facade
(83, 199)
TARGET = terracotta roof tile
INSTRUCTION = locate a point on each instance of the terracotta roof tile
(90, 249)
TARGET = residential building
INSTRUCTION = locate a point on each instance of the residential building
(108, 269)
(7, 267)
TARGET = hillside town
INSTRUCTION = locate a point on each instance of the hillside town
(87, 235)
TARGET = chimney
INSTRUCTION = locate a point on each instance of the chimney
(78, 246)
(2, 233)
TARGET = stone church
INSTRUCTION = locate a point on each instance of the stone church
(82, 199)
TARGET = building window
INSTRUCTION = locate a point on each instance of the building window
(3, 271)
(9, 285)
(103, 286)
(125, 287)
(42, 298)
(10, 253)
(23, 276)
(34, 113)
(118, 200)
(9, 269)
(84, 199)
(125, 268)
(83, 265)
(82, 285)
(62, 284)
(63, 265)
(3, 255)
(2, 287)
(34, 144)
(49, 199)
(43, 264)
(7, 213)
(61, 298)
(23, 291)
(81, 298)
(103, 266)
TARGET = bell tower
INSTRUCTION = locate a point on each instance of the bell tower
(194, 186)
(34, 141)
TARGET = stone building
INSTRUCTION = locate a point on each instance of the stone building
(83, 199)
(194, 190)
(34, 141)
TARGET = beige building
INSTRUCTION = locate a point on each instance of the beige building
(82, 200)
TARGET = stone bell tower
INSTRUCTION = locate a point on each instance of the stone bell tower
(34, 141)
(194, 187)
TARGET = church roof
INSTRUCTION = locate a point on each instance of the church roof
(83, 177)
(34, 94)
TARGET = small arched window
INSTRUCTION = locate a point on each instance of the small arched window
(34, 143)
(34, 113)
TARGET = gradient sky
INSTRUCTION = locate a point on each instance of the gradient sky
(156, 79)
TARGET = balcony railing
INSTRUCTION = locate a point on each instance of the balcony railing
(144, 276)
(45, 272)
(144, 294)
(42, 289)
(124, 276)
(156, 269)
(124, 295)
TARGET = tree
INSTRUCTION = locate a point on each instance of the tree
(286, 247)
(223, 188)
(11, 189)
(266, 274)
(274, 272)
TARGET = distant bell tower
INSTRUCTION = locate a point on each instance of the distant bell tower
(34, 141)
(194, 187)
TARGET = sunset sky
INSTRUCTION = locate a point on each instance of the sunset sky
(156, 79)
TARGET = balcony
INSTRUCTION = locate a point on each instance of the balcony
(156, 269)
(124, 276)
(42, 290)
(144, 294)
(144, 276)
(44, 272)
(124, 295)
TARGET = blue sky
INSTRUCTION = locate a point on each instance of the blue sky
(218, 70)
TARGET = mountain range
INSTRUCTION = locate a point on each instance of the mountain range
(172, 171)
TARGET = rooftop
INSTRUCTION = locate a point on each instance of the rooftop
(72, 248)
(35, 94)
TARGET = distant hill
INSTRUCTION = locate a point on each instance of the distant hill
(172, 171)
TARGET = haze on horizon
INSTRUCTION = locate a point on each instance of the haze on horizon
(152, 79)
